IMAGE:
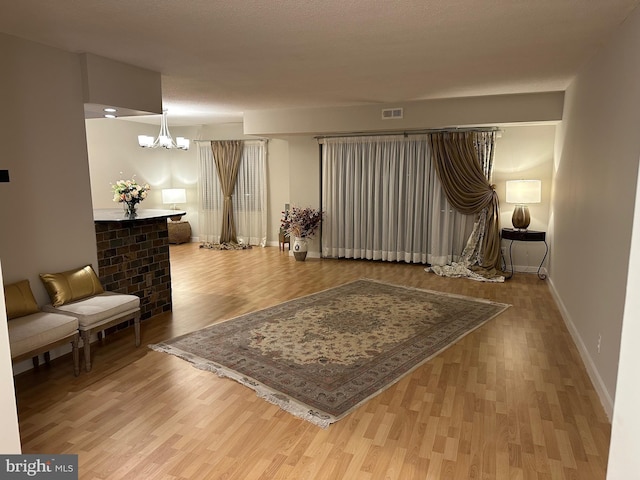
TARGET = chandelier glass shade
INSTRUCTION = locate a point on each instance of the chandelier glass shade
(164, 139)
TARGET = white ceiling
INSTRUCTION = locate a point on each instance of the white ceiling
(219, 58)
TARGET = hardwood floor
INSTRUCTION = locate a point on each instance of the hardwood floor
(511, 400)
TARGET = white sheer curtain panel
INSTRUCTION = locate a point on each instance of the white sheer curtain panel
(384, 201)
(210, 196)
(249, 197)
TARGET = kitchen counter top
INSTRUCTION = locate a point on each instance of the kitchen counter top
(118, 215)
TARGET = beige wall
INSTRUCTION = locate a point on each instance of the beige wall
(599, 283)
(10, 438)
(114, 154)
(521, 152)
(304, 179)
(278, 180)
(593, 201)
(46, 211)
(116, 84)
(451, 112)
(624, 462)
(525, 152)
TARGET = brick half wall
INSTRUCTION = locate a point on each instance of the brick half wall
(133, 257)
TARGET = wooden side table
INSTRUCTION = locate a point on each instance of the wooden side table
(525, 236)
(179, 232)
(284, 238)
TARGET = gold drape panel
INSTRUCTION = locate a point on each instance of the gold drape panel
(466, 186)
(227, 155)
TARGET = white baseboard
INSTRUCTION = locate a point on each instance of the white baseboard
(309, 254)
(528, 269)
(592, 371)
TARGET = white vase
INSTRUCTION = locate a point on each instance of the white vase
(300, 248)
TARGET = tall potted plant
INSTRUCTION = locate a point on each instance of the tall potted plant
(301, 224)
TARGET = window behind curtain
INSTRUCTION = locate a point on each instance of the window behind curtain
(384, 201)
(249, 196)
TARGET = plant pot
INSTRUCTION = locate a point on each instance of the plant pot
(300, 248)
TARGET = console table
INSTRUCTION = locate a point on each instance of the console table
(133, 256)
(525, 236)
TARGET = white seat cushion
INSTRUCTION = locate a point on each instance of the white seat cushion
(39, 329)
(98, 309)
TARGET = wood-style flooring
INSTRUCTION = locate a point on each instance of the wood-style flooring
(512, 400)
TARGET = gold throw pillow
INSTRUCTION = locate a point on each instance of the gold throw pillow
(72, 285)
(19, 300)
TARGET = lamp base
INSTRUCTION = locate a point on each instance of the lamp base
(521, 217)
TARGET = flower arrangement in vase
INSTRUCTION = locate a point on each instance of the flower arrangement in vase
(301, 224)
(130, 193)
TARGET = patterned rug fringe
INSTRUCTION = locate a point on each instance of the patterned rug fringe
(281, 400)
(225, 246)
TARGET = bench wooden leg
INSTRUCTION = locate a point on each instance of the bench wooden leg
(86, 346)
(76, 355)
(36, 361)
(136, 326)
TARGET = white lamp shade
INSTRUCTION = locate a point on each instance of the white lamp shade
(174, 195)
(145, 141)
(183, 143)
(524, 192)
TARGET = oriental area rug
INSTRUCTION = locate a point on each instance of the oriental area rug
(320, 356)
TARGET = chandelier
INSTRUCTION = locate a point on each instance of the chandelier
(164, 138)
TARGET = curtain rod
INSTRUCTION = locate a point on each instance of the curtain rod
(235, 140)
(409, 132)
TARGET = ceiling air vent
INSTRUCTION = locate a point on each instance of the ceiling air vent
(392, 113)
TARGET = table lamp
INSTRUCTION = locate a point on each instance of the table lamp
(522, 193)
(174, 196)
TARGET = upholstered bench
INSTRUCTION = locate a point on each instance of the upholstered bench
(32, 332)
(79, 293)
